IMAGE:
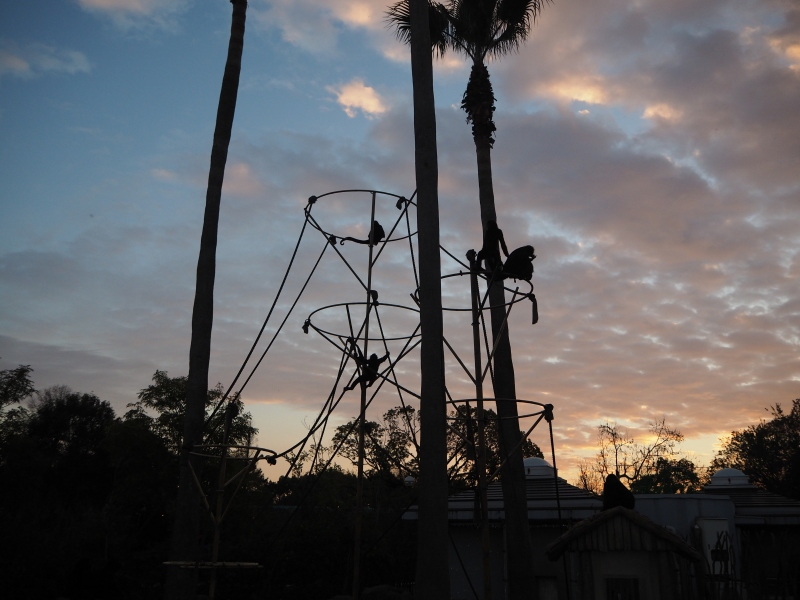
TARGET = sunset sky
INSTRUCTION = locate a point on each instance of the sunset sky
(649, 150)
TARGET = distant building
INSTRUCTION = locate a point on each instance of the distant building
(732, 541)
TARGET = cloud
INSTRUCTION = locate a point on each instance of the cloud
(38, 59)
(134, 14)
(14, 64)
(164, 174)
(240, 180)
(355, 95)
(665, 220)
(316, 25)
(661, 111)
(305, 24)
(658, 293)
(240, 177)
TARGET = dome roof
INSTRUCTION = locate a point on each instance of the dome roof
(729, 478)
(536, 468)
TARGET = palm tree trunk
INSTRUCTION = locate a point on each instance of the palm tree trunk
(432, 578)
(181, 584)
(521, 580)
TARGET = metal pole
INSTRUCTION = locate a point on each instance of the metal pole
(230, 413)
(548, 415)
(361, 422)
(481, 454)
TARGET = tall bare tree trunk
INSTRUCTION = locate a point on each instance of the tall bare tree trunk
(181, 584)
(519, 557)
(433, 578)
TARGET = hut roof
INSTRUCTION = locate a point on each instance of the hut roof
(620, 529)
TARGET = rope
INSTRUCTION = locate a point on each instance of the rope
(258, 337)
(286, 318)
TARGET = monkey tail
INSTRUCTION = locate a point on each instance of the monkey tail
(352, 239)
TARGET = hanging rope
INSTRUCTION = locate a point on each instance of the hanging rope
(286, 318)
(261, 331)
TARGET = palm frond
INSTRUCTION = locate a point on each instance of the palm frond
(398, 17)
(491, 27)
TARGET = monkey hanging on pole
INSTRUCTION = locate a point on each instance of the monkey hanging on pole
(368, 367)
(493, 240)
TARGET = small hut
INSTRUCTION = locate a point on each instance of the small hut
(621, 554)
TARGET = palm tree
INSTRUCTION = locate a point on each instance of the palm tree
(432, 577)
(181, 583)
(482, 29)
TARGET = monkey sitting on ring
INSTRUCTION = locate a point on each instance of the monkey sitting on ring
(376, 234)
(519, 264)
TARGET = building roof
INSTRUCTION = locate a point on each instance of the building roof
(543, 502)
(619, 528)
(753, 505)
(545, 498)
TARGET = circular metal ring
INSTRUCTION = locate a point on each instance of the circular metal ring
(459, 417)
(268, 454)
(521, 295)
(359, 336)
(314, 199)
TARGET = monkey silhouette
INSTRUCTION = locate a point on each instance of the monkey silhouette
(616, 494)
(369, 367)
(376, 234)
(493, 240)
(519, 264)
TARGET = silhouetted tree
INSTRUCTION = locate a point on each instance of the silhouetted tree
(768, 452)
(461, 469)
(15, 385)
(390, 449)
(162, 405)
(482, 29)
(388, 445)
(622, 456)
(55, 478)
(432, 579)
(180, 582)
(669, 476)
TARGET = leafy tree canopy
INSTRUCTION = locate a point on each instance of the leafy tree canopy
(15, 385)
(768, 452)
(162, 404)
(669, 476)
(70, 423)
(390, 446)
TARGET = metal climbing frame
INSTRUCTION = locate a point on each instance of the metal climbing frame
(356, 339)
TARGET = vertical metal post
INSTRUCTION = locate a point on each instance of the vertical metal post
(548, 415)
(361, 422)
(481, 454)
(230, 413)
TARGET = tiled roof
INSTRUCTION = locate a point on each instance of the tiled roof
(537, 490)
(758, 497)
(542, 501)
